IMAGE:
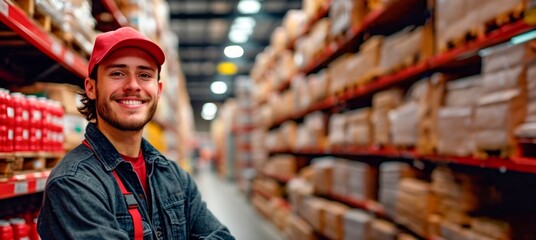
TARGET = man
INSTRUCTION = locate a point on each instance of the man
(115, 185)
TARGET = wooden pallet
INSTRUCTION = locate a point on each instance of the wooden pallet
(479, 30)
(504, 152)
(13, 163)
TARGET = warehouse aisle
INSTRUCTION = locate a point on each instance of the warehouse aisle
(233, 209)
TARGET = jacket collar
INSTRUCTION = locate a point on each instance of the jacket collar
(108, 155)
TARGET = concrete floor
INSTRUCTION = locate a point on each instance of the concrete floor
(233, 209)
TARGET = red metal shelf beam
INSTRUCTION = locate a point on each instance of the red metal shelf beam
(21, 184)
(16, 19)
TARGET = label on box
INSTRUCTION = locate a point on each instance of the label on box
(69, 58)
(56, 48)
(40, 184)
(4, 8)
(21, 187)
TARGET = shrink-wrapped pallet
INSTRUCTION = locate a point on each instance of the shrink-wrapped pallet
(390, 175)
(362, 181)
(345, 14)
(337, 130)
(323, 177)
(455, 132)
(360, 130)
(334, 220)
(496, 117)
(382, 103)
(299, 229)
(357, 224)
(401, 50)
(416, 202)
(383, 230)
(315, 210)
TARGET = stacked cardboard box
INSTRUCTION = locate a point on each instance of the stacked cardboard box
(357, 224)
(528, 128)
(360, 131)
(339, 73)
(427, 129)
(455, 118)
(341, 174)
(416, 202)
(344, 14)
(323, 177)
(314, 212)
(362, 181)
(311, 45)
(502, 105)
(391, 173)
(383, 230)
(299, 229)
(337, 130)
(405, 119)
(312, 134)
(402, 49)
(282, 166)
(455, 18)
(298, 190)
(382, 103)
(334, 220)
(460, 194)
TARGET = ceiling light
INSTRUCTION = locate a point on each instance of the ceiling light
(218, 87)
(209, 111)
(244, 22)
(233, 51)
(249, 6)
(238, 36)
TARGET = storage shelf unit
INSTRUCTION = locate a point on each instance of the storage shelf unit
(15, 18)
(23, 184)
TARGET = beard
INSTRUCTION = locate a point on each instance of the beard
(107, 115)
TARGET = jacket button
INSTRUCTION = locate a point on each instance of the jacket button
(140, 196)
(158, 233)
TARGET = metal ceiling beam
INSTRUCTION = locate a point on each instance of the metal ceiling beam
(203, 44)
(230, 15)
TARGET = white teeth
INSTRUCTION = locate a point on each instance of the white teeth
(131, 102)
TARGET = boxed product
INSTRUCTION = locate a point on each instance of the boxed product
(490, 10)
(369, 67)
(298, 190)
(501, 80)
(318, 85)
(383, 230)
(293, 21)
(359, 125)
(382, 103)
(430, 104)
(401, 49)
(416, 202)
(323, 177)
(454, 130)
(344, 14)
(315, 210)
(362, 181)
(463, 92)
(404, 121)
(390, 174)
(334, 220)
(338, 74)
(337, 130)
(357, 224)
(496, 117)
(299, 229)
(340, 177)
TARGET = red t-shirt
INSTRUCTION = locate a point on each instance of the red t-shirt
(139, 167)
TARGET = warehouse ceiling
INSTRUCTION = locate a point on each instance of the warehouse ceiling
(203, 30)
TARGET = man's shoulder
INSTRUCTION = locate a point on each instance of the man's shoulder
(74, 162)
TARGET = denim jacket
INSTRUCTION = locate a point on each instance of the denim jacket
(82, 199)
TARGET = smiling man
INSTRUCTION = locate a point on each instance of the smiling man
(115, 185)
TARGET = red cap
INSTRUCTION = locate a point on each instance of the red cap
(107, 42)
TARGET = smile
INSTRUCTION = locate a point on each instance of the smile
(130, 102)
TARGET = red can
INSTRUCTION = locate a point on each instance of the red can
(20, 229)
(6, 231)
(22, 123)
(10, 122)
(45, 126)
(3, 120)
(34, 235)
(35, 123)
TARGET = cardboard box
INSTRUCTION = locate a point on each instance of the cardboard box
(357, 224)
(334, 220)
(454, 125)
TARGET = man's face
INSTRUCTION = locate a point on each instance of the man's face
(127, 90)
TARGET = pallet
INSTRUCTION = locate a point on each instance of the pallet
(13, 163)
(479, 30)
(504, 152)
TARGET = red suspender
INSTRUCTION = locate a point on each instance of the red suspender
(132, 209)
(131, 202)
